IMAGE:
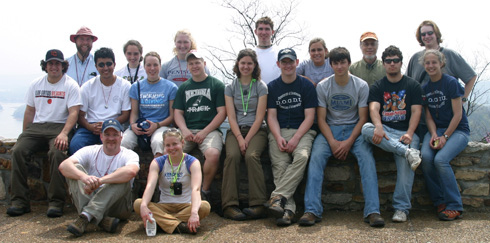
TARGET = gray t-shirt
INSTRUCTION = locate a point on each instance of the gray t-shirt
(259, 89)
(342, 102)
(176, 71)
(307, 68)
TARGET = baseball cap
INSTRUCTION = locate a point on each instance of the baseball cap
(54, 54)
(112, 123)
(194, 53)
(286, 53)
(368, 35)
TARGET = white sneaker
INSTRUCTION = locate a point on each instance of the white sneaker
(413, 158)
(399, 216)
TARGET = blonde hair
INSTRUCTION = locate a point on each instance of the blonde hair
(191, 39)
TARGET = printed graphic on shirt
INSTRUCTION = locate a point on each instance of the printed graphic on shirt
(50, 95)
(394, 106)
(289, 100)
(436, 99)
(341, 102)
(130, 78)
(196, 104)
(152, 100)
(170, 175)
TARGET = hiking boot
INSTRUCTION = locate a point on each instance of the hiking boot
(206, 196)
(255, 212)
(14, 211)
(54, 212)
(375, 220)
(109, 224)
(78, 226)
(309, 219)
(441, 207)
(399, 216)
(450, 215)
(183, 229)
(234, 213)
(276, 206)
(286, 219)
(413, 158)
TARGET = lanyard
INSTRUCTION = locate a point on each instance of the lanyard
(245, 106)
(96, 160)
(80, 80)
(131, 80)
(174, 179)
(181, 72)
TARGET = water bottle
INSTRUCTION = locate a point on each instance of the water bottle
(144, 125)
(151, 228)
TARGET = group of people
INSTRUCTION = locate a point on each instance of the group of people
(303, 113)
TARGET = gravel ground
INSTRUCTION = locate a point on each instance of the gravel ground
(335, 227)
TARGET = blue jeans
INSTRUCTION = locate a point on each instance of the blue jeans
(404, 175)
(82, 138)
(320, 154)
(438, 174)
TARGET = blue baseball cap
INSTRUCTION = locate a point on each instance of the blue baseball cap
(112, 123)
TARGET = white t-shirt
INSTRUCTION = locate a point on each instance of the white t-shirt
(52, 101)
(102, 102)
(129, 74)
(268, 63)
(97, 163)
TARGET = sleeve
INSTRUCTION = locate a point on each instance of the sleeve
(126, 105)
(228, 90)
(163, 71)
(84, 155)
(455, 90)
(459, 66)
(189, 160)
(270, 98)
(220, 94)
(73, 95)
(30, 96)
(416, 94)
(132, 158)
(301, 68)
(311, 100)
(262, 88)
(173, 91)
(85, 96)
(133, 91)
(322, 94)
(374, 95)
(161, 162)
(409, 71)
(363, 95)
(179, 98)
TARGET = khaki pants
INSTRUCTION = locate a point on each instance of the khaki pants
(169, 215)
(288, 169)
(113, 200)
(36, 137)
(231, 170)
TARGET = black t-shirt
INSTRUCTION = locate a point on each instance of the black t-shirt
(396, 100)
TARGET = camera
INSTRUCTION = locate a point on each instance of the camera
(177, 188)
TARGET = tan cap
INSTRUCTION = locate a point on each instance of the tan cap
(368, 35)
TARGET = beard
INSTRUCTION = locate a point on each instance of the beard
(370, 57)
(83, 53)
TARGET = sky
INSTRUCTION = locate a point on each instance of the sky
(30, 28)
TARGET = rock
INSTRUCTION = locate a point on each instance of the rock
(474, 202)
(474, 147)
(3, 193)
(5, 164)
(471, 175)
(480, 189)
(337, 198)
(338, 173)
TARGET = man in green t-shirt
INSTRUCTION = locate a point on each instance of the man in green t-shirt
(369, 68)
(199, 111)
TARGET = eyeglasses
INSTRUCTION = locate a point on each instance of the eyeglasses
(427, 33)
(102, 64)
(395, 60)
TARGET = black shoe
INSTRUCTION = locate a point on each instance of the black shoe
(183, 229)
(78, 226)
(287, 218)
(276, 206)
(109, 224)
(255, 212)
(309, 219)
(54, 212)
(14, 211)
(375, 220)
(234, 213)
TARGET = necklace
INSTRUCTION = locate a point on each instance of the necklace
(245, 106)
(96, 161)
(80, 79)
(108, 98)
(130, 78)
(174, 179)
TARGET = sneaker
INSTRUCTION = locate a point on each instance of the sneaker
(276, 206)
(413, 158)
(109, 224)
(309, 219)
(375, 220)
(255, 212)
(18, 211)
(78, 226)
(234, 213)
(450, 215)
(183, 229)
(54, 212)
(441, 207)
(399, 216)
(286, 219)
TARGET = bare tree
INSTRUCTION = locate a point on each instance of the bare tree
(242, 26)
(478, 95)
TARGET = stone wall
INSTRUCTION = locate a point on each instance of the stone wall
(342, 189)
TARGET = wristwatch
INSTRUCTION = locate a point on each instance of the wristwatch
(464, 99)
(446, 136)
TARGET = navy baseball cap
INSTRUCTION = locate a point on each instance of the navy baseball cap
(112, 123)
(54, 54)
(287, 53)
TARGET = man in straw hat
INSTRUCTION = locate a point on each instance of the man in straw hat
(82, 65)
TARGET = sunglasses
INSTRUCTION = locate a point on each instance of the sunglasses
(102, 64)
(173, 130)
(395, 60)
(427, 33)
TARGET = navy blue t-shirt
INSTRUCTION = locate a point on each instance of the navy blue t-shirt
(438, 97)
(291, 100)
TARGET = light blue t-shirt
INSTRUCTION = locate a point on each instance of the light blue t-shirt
(154, 98)
(81, 71)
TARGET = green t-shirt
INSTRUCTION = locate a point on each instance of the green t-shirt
(368, 73)
(199, 101)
